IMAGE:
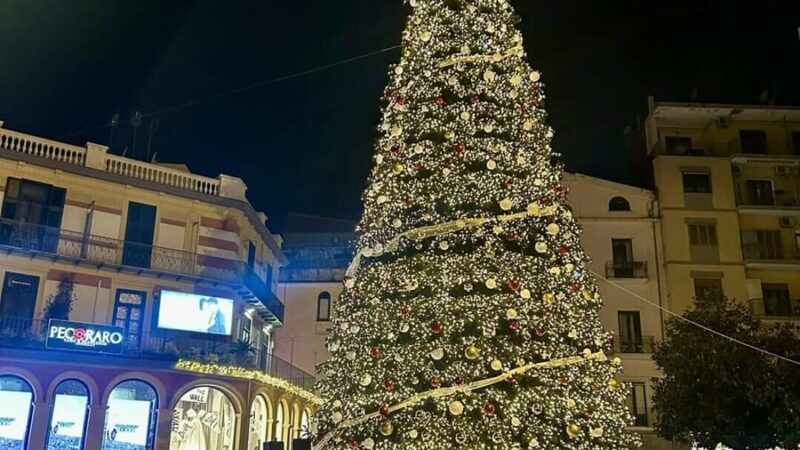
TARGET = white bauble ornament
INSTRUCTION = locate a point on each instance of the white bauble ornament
(465, 115)
(540, 247)
(491, 283)
(489, 75)
(398, 70)
(368, 443)
(425, 36)
(365, 380)
(444, 245)
(437, 354)
(506, 204)
(413, 434)
(553, 229)
(496, 365)
(491, 165)
(337, 417)
(596, 432)
(516, 422)
(512, 314)
(525, 293)
(381, 199)
(535, 76)
(351, 355)
(516, 80)
(397, 223)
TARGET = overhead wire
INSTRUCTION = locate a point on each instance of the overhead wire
(242, 89)
(695, 323)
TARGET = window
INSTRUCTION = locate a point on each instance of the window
(630, 332)
(205, 419)
(707, 287)
(16, 396)
(776, 300)
(760, 192)
(280, 419)
(753, 141)
(139, 231)
(31, 215)
(129, 309)
(324, 307)
(131, 417)
(637, 404)
(796, 142)
(18, 300)
(762, 244)
(622, 254)
(619, 204)
(246, 324)
(697, 182)
(702, 234)
(678, 145)
(305, 425)
(68, 416)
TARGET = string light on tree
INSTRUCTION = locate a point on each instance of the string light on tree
(477, 318)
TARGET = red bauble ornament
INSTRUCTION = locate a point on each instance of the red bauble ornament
(461, 148)
(388, 384)
(397, 150)
(362, 227)
(409, 201)
(418, 166)
(384, 410)
(435, 383)
(489, 409)
(539, 331)
(376, 352)
(510, 379)
(510, 184)
(475, 99)
(459, 381)
(440, 101)
(400, 100)
(563, 250)
(514, 285)
(437, 327)
(513, 324)
(575, 287)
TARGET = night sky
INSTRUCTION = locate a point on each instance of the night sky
(304, 145)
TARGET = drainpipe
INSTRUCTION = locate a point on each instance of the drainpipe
(657, 241)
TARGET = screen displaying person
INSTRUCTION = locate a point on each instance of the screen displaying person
(215, 319)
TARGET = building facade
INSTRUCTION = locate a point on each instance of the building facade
(138, 307)
(728, 183)
(621, 235)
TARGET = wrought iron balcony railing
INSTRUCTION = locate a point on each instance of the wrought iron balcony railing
(634, 344)
(626, 269)
(103, 251)
(165, 345)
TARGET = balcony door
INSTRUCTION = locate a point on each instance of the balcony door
(129, 314)
(31, 215)
(760, 192)
(622, 253)
(18, 301)
(630, 332)
(139, 231)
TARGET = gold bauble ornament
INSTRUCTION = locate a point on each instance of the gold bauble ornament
(512, 314)
(573, 430)
(549, 297)
(387, 428)
(449, 135)
(516, 80)
(506, 204)
(596, 432)
(489, 75)
(398, 168)
(425, 36)
(540, 247)
(587, 294)
(613, 384)
(456, 408)
(472, 352)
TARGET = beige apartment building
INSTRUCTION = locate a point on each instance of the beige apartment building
(169, 340)
(621, 232)
(728, 184)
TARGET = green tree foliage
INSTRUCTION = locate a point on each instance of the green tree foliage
(717, 391)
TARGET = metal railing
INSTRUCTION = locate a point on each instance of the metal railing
(164, 345)
(108, 251)
(626, 269)
(769, 199)
(634, 344)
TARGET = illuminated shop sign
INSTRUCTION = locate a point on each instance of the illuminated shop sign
(85, 337)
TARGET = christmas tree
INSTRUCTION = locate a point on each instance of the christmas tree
(469, 318)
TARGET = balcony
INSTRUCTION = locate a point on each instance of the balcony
(634, 345)
(771, 152)
(774, 310)
(167, 346)
(765, 249)
(626, 270)
(113, 254)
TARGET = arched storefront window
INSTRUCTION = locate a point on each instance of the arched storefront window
(131, 417)
(279, 420)
(305, 431)
(258, 423)
(16, 396)
(68, 416)
(203, 419)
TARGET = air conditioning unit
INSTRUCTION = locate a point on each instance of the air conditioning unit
(723, 122)
(788, 222)
(784, 171)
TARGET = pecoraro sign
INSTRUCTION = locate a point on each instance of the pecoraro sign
(85, 337)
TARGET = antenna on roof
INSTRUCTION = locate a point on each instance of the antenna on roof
(112, 127)
(136, 122)
(151, 130)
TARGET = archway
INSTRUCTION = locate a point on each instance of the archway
(68, 415)
(131, 416)
(203, 419)
(259, 418)
(16, 396)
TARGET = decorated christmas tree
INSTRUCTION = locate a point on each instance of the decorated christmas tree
(469, 317)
